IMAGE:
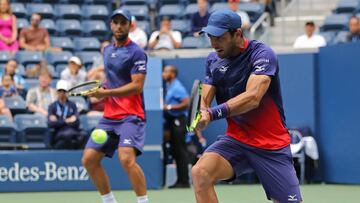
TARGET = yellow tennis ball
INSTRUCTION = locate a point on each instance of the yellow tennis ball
(99, 136)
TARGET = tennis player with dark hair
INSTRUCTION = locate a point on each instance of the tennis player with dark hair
(243, 75)
(124, 114)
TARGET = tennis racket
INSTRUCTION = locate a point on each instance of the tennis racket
(194, 111)
(84, 89)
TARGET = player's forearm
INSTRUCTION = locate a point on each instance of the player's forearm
(243, 103)
(207, 95)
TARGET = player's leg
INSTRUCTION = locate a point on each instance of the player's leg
(209, 169)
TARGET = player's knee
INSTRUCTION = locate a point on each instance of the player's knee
(127, 161)
(89, 162)
(200, 175)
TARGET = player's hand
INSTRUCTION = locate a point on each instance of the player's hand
(204, 121)
(99, 93)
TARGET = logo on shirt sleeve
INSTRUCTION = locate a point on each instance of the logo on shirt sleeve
(141, 65)
(260, 68)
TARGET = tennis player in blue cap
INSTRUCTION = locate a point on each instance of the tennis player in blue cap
(243, 75)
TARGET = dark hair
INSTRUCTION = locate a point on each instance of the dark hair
(233, 31)
(173, 68)
(310, 23)
(165, 18)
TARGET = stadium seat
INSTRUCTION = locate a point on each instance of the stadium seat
(144, 25)
(31, 82)
(174, 11)
(59, 68)
(347, 6)
(181, 25)
(336, 22)
(53, 83)
(49, 25)
(45, 10)
(134, 2)
(52, 71)
(68, 11)
(95, 28)
(28, 57)
(18, 10)
(16, 104)
(141, 12)
(341, 37)
(22, 23)
(191, 42)
(298, 152)
(254, 10)
(95, 12)
(190, 10)
(4, 57)
(88, 57)
(75, 1)
(219, 6)
(86, 44)
(21, 69)
(329, 37)
(32, 128)
(7, 130)
(89, 123)
(56, 58)
(68, 28)
(81, 104)
(102, 2)
(63, 42)
(171, 2)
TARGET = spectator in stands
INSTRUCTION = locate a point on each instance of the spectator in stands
(8, 28)
(73, 74)
(175, 111)
(309, 39)
(165, 38)
(39, 98)
(354, 27)
(200, 18)
(19, 81)
(63, 117)
(245, 19)
(7, 89)
(137, 35)
(97, 70)
(4, 110)
(34, 38)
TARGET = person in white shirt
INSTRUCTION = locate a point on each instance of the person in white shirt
(136, 34)
(309, 39)
(73, 74)
(165, 38)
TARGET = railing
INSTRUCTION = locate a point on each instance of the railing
(265, 16)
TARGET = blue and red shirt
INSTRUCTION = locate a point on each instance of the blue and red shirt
(120, 63)
(263, 127)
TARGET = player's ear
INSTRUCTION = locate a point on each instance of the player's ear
(239, 32)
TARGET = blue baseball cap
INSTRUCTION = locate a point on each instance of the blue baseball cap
(122, 12)
(221, 21)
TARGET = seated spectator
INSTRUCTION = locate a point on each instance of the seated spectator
(354, 27)
(34, 38)
(39, 98)
(136, 34)
(63, 117)
(309, 39)
(97, 70)
(8, 28)
(19, 81)
(4, 110)
(200, 18)
(35, 70)
(7, 89)
(245, 19)
(165, 38)
(73, 74)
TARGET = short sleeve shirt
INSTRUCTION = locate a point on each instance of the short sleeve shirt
(175, 94)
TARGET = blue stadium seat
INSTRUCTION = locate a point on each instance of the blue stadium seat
(144, 25)
(141, 12)
(181, 25)
(87, 57)
(254, 10)
(219, 6)
(329, 37)
(18, 10)
(45, 10)
(63, 42)
(7, 130)
(21, 70)
(86, 44)
(171, 2)
(68, 27)
(173, 11)
(341, 37)
(31, 82)
(76, 1)
(22, 23)
(16, 104)
(28, 57)
(336, 22)
(102, 2)
(52, 71)
(59, 68)
(32, 128)
(190, 10)
(81, 104)
(95, 12)
(95, 28)
(89, 123)
(56, 58)
(347, 6)
(4, 56)
(134, 2)
(49, 25)
(191, 42)
(68, 11)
